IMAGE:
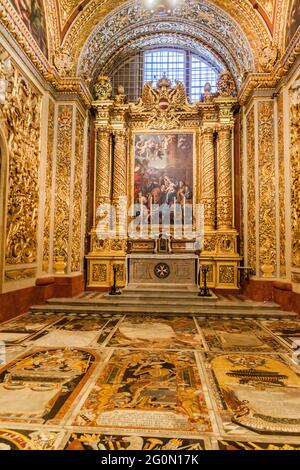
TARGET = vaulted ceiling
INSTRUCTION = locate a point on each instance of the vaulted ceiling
(87, 34)
(84, 36)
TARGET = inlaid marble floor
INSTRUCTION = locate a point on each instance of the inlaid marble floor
(96, 382)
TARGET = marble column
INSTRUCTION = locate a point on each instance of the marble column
(208, 193)
(225, 197)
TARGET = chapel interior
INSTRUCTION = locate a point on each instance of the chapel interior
(149, 229)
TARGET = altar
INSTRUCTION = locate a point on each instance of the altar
(164, 166)
(149, 270)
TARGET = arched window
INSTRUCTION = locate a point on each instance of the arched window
(176, 63)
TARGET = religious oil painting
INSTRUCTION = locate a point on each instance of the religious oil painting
(38, 387)
(157, 333)
(238, 335)
(20, 440)
(102, 442)
(250, 387)
(163, 172)
(32, 13)
(146, 389)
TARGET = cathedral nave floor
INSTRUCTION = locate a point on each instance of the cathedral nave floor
(142, 382)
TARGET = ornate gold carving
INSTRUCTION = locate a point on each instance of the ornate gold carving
(63, 181)
(295, 172)
(103, 180)
(103, 88)
(163, 106)
(100, 273)
(226, 274)
(296, 278)
(226, 85)
(281, 170)
(20, 275)
(224, 178)
(267, 212)
(20, 114)
(208, 197)
(77, 195)
(210, 243)
(251, 216)
(120, 165)
(267, 58)
(48, 187)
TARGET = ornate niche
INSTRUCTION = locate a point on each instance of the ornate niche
(165, 111)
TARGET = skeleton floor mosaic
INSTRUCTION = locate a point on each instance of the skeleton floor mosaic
(120, 382)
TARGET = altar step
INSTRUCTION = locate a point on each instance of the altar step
(163, 303)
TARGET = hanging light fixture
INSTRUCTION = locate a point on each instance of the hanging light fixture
(162, 6)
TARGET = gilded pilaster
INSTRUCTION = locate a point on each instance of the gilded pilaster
(63, 181)
(295, 180)
(251, 216)
(267, 209)
(77, 195)
(208, 193)
(48, 187)
(281, 171)
(224, 199)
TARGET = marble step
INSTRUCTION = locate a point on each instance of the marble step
(162, 299)
(231, 311)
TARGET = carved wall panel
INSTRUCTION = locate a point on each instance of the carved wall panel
(267, 211)
(77, 195)
(48, 187)
(21, 116)
(63, 181)
(295, 172)
(251, 216)
(281, 172)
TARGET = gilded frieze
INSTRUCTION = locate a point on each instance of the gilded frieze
(77, 195)
(63, 181)
(21, 117)
(251, 216)
(281, 171)
(48, 187)
(295, 172)
(267, 210)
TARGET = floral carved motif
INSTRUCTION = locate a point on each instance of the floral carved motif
(63, 181)
(251, 230)
(20, 113)
(295, 169)
(281, 170)
(48, 188)
(77, 195)
(267, 211)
